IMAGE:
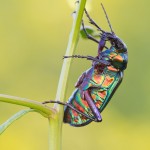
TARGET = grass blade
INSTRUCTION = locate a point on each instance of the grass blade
(12, 119)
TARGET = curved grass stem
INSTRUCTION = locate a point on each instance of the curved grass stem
(12, 119)
(43, 109)
(61, 90)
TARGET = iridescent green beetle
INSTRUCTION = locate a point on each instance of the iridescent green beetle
(96, 86)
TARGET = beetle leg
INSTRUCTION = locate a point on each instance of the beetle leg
(93, 39)
(102, 43)
(71, 107)
(88, 35)
(91, 104)
(92, 21)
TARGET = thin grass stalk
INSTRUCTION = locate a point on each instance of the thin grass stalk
(55, 125)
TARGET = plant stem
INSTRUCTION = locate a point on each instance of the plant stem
(72, 43)
(43, 109)
(54, 134)
(55, 124)
(12, 119)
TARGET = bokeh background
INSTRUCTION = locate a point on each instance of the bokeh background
(33, 39)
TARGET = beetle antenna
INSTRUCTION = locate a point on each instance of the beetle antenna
(107, 19)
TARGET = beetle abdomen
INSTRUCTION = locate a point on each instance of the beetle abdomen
(71, 116)
(101, 92)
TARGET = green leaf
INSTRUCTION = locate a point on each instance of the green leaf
(90, 31)
(15, 117)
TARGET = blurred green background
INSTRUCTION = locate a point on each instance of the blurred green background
(33, 39)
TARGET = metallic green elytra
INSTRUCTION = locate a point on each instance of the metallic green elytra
(101, 81)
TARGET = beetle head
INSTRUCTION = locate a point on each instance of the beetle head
(116, 42)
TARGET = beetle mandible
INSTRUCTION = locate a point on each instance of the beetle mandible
(96, 86)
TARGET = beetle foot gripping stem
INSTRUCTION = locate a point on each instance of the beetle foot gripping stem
(107, 63)
(52, 101)
(70, 106)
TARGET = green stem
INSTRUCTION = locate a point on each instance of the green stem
(43, 109)
(72, 43)
(54, 134)
(55, 124)
(12, 119)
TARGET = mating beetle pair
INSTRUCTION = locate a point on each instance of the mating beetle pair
(96, 86)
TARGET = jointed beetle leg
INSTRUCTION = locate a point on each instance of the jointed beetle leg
(88, 35)
(92, 106)
(71, 107)
(92, 21)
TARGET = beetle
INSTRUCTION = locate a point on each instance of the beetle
(96, 86)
